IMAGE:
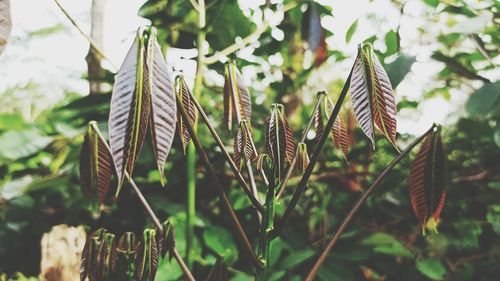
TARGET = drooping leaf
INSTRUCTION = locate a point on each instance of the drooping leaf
(187, 102)
(237, 100)
(95, 163)
(88, 263)
(339, 132)
(146, 260)
(279, 140)
(244, 147)
(105, 257)
(319, 123)
(302, 157)
(130, 109)
(127, 244)
(399, 68)
(264, 165)
(427, 181)
(163, 105)
(219, 271)
(371, 94)
(5, 24)
(166, 240)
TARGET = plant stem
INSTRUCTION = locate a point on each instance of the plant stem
(282, 186)
(314, 159)
(158, 225)
(191, 154)
(228, 158)
(238, 228)
(266, 227)
(359, 203)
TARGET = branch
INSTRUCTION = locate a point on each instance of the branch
(158, 225)
(93, 44)
(359, 203)
(228, 158)
(282, 186)
(241, 235)
(314, 159)
(252, 37)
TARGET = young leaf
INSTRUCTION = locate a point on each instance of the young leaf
(88, 263)
(319, 124)
(163, 105)
(219, 271)
(428, 180)
(5, 24)
(105, 257)
(371, 94)
(146, 260)
(183, 94)
(264, 165)
(244, 147)
(339, 132)
(127, 244)
(302, 157)
(237, 101)
(130, 109)
(95, 163)
(166, 240)
(279, 140)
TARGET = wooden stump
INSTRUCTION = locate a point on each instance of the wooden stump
(61, 252)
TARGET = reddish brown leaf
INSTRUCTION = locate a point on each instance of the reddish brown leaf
(339, 132)
(184, 95)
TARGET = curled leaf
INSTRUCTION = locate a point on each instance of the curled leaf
(372, 98)
(183, 94)
(95, 163)
(237, 101)
(427, 181)
(279, 140)
(302, 157)
(244, 147)
(339, 132)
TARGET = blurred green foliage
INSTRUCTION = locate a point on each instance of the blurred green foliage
(39, 184)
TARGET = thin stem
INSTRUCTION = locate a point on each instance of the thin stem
(238, 228)
(158, 225)
(228, 158)
(359, 203)
(93, 44)
(254, 36)
(314, 159)
(282, 186)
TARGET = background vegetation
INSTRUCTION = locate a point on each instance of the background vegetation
(39, 157)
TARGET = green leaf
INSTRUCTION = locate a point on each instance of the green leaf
(19, 144)
(221, 241)
(493, 217)
(391, 42)
(398, 69)
(496, 135)
(295, 258)
(386, 244)
(484, 100)
(431, 268)
(432, 3)
(350, 31)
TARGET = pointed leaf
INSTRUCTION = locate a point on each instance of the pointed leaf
(95, 163)
(302, 157)
(105, 257)
(163, 105)
(350, 31)
(130, 109)
(237, 101)
(187, 102)
(279, 140)
(88, 263)
(166, 240)
(319, 124)
(339, 132)
(146, 261)
(244, 147)
(428, 180)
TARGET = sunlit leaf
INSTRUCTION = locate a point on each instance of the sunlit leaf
(237, 101)
(130, 109)
(350, 31)
(427, 181)
(5, 24)
(163, 105)
(95, 163)
(371, 94)
(302, 157)
(279, 140)
(183, 94)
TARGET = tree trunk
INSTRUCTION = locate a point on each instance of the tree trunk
(95, 71)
